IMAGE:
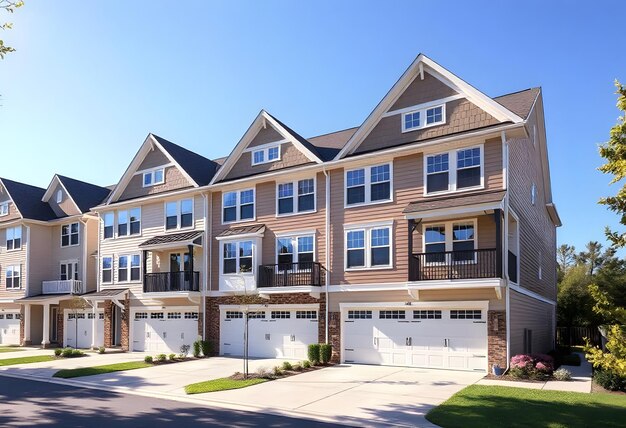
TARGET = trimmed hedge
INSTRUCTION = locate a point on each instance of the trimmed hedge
(314, 353)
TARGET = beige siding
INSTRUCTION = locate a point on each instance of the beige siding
(422, 91)
(530, 313)
(290, 156)
(537, 233)
(461, 116)
(152, 224)
(11, 258)
(91, 240)
(67, 207)
(174, 180)
(153, 159)
(58, 254)
(266, 135)
(42, 266)
(266, 214)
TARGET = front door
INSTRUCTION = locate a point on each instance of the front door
(179, 264)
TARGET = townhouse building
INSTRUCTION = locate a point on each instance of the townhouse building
(424, 237)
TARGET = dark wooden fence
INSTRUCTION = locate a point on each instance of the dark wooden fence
(575, 336)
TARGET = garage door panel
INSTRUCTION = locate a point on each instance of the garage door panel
(164, 331)
(79, 329)
(10, 328)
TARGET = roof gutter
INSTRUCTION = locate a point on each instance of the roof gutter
(505, 159)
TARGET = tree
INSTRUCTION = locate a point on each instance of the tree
(565, 257)
(594, 258)
(8, 6)
(574, 300)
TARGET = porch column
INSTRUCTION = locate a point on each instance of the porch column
(190, 247)
(46, 325)
(94, 304)
(410, 241)
(497, 215)
(27, 324)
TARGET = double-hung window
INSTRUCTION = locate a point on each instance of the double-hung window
(423, 118)
(69, 270)
(238, 206)
(109, 224)
(366, 185)
(14, 238)
(156, 176)
(129, 268)
(450, 241)
(237, 257)
(435, 243)
(107, 270)
(128, 222)
(69, 234)
(179, 214)
(289, 202)
(295, 249)
(368, 247)
(4, 209)
(268, 154)
(12, 275)
(455, 170)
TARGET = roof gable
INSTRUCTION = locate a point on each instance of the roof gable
(28, 200)
(424, 68)
(85, 195)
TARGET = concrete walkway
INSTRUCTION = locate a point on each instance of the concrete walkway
(581, 380)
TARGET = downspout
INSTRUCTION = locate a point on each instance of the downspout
(84, 261)
(26, 271)
(99, 255)
(206, 257)
(505, 159)
(327, 244)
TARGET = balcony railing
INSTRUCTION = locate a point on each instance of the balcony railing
(62, 286)
(291, 275)
(471, 264)
(163, 282)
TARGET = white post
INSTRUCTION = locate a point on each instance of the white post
(27, 323)
(46, 325)
(94, 304)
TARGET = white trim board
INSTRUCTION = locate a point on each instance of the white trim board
(460, 304)
(532, 294)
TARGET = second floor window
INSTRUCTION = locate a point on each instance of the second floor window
(14, 238)
(295, 249)
(237, 257)
(457, 239)
(369, 247)
(238, 206)
(289, 202)
(179, 214)
(366, 185)
(69, 270)
(455, 170)
(129, 222)
(107, 270)
(129, 268)
(69, 235)
(109, 220)
(12, 275)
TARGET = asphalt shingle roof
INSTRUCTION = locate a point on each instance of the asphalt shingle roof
(455, 201)
(171, 238)
(199, 168)
(243, 230)
(28, 200)
(86, 195)
(520, 102)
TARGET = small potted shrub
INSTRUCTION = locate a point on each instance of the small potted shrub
(497, 370)
(148, 359)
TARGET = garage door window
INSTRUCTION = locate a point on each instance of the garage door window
(80, 316)
(309, 315)
(392, 315)
(233, 314)
(466, 314)
(141, 316)
(281, 314)
(191, 315)
(256, 315)
(427, 315)
(101, 316)
(9, 316)
(353, 315)
(90, 316)
(71, 316)
(174, 315)
(156, 316)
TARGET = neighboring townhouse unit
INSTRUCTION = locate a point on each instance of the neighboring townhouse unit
(152, 261)
(47, 238)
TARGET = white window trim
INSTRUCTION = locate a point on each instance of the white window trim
(19, 276)
(69, 235)
(74, 263)
(448, 225)
(59, 197)
(238, 241)
(102, 269)
(152, 172)
(368, 186)
(238, 206)
(533, 194)
(452, 171)
(294, 237)
(4, 209)
(116, 223)
(6, 240)
(112, 213)
(367, 228)
(129, 269)
(179, 214)
(295, 198)
(422, 112)
(265, 151)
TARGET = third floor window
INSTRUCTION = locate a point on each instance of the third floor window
(14, 238)
(69, 234)
(238, 206)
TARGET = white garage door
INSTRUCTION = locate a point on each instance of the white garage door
(10, 328)
(164, 331)
(433, 338)
(273, 333)
(78, 329)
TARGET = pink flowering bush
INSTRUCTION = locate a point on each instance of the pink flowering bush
(522, 361)
(537, 367)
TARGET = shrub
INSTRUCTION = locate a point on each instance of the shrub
(148, 359)
(326, 352)
(562, 374)
(206, 348)
(58, 352)
(101, 350)
(314, 353)
(172, 357)
(521, 361)
(196, 349)
(184, 351)
(67, 353)
(161, 358)
(77, 353)
(537, 367)
(287, 366)
(265, 373)
(518, 372)
(278, 371)
(610, 380)
(297, 367)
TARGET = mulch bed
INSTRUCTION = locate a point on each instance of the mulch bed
(285, 373)
(510, 378)
(597, 389)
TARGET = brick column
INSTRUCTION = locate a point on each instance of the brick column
(213, 323)
(108, 324)
(334, 333)
(60, 323)
(496, 338)
(126, 326)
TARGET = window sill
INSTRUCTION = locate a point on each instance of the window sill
(69, 246)
(14, 250)
(248, 220)
(367, 204)
(179, 229)
(297, 213)
(419, 128)
(452, 192)
(360, 269)
(136, 235)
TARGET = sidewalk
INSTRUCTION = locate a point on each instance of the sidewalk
(581, 380)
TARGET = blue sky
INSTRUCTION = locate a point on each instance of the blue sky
(91, 79)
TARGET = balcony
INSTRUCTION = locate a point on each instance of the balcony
(62, 286)
(163, 282)
(451, 265)
(291, 275)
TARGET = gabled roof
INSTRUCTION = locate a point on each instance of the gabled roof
(197, 169)
(261, 121)
(420, 65)
(520, 102)
(84, 195)
(28, 200)
(328, 145)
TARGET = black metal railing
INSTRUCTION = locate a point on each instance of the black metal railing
(171, 281)
(470, 264)
(291, 274)
(512, 267)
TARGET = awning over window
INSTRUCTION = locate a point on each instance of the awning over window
(252, 230)
(173, 240)
(431, 207)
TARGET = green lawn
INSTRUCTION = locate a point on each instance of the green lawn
(495, 406)
(10, 349)
(221, 385)
(26, 360)
(96, 370)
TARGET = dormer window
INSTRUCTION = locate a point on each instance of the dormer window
(151, 178)
(59, 196)
(424, 118)
(4, 209)
(265, 155)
